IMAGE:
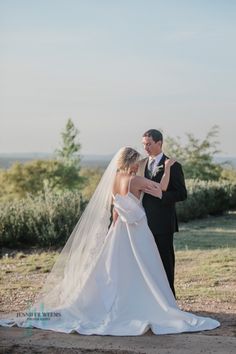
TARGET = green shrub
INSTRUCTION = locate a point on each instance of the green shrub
(44, 220)
(206, 197)
(231, 190)
(33, 176)
(49, 218)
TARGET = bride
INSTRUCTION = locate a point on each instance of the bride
(109, 278)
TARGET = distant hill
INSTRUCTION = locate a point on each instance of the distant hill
(6, 160)
(226, 160)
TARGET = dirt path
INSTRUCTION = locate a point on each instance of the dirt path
(219, 341)
(16, 340)
(222, 340)
(215, 298)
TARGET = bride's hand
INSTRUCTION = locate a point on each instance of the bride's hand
(114, 216)
(169, 162)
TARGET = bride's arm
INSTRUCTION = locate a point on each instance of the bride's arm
(148, 186)
(166, 176)
(151, 187)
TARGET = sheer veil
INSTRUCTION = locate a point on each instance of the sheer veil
(82, 249)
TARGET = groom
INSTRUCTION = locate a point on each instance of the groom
(160, 207)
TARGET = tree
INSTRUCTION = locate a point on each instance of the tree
(69, 155)
(197, 156)
(58, 175)
(34, 176)
(69, 151)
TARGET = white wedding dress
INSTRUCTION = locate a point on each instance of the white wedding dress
(127, 293)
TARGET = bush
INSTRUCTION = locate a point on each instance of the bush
(206, 197)
(231, 190)
(49, 218)
(91, 177)
(33, 176)
(45, 220)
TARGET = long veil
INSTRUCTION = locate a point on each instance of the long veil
(82, 249)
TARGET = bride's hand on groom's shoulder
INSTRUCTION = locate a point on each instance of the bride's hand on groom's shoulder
(169, 162)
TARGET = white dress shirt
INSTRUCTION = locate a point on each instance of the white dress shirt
(157, 160)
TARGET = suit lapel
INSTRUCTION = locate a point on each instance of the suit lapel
(143, 166)
(162, 160)
(160, 172)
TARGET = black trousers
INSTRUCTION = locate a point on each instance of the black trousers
(165, 246)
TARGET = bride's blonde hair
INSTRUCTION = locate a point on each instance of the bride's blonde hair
(127, 157)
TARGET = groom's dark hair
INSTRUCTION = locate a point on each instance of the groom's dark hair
(154, 134)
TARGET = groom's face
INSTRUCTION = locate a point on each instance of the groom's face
(151, 147)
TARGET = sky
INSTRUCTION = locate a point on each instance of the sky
(116, 68)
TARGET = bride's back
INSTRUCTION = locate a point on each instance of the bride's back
(124, 183)
(121, 183)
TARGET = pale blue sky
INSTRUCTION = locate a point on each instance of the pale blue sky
(117, 68)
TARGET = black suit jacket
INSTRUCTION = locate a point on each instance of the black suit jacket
(161, 213)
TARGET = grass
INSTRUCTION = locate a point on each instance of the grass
(206, 263)
(207, 275)
(205, 267)
(21, 277)
(207, 234)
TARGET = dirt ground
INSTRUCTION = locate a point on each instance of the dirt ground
(222, 340)
(17, 340)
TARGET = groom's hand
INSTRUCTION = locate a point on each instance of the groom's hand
(154, 191)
